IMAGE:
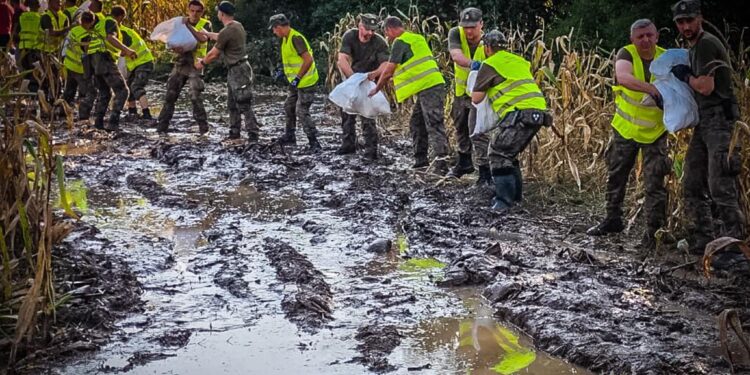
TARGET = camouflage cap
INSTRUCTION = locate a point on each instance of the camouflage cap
(277, 20)
(369, 21)
(494, 39)
(470, 17)
(686, 9)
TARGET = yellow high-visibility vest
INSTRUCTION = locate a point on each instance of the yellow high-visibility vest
(52, 44)
(143, 54)
(99, 41)
(202, 50)
(462, 74)
(633, 120)
(74, 50)
(293, 62)
(420, 72)
(30, 31)
(519, 90)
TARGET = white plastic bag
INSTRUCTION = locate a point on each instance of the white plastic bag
(84, 7)
(351, 96)
(486, 117)
(680, 108)
(175, 34)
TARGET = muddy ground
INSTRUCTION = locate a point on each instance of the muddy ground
(236, 256)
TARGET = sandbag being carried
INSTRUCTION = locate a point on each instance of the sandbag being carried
(680, 108)
(175, 34)
(351, 96)
(487, 119)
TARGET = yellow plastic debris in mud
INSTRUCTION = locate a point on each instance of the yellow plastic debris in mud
(477, 332)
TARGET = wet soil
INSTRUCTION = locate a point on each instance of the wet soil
(279, 260)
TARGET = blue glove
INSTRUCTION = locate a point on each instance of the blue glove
(294, 82)
(682, 72)
(278, 74)
(475, 65)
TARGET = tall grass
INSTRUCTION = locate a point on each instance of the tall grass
(577, 81)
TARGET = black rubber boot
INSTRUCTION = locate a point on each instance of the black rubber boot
(464, 166)
(313, 144)
(289, 138)
(440, 167)
(114, 121)
(420, 162)
(99, 123)
(608, 225)
(505, 191)
(162, 127)
(485, 176)
(519, 181)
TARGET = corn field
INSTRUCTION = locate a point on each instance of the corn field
(577, 81)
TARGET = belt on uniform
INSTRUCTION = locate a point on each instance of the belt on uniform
(237, 63)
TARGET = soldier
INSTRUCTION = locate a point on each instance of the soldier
(415, 72)
(184, 72)
(70, 10)
(104, 51)
(230, 44)
(362, 51)
(55, 26)
(636, 127)
(139, 68)
(467, 52)
(711, 168)
(507, 81)
(77, 79)
(302, 74)
(30, 40)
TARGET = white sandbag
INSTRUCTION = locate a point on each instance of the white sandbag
(352, 96)
(84, 7)
(175, 34)
(122, 66)
(486, 118)
(680, 108)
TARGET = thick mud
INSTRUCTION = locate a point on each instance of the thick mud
(256, 258)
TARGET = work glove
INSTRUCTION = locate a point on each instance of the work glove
(475, 65)
(278, 74)
(294, 82)
(682, 72)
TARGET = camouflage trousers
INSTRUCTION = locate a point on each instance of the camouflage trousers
(297, 107)
(240, 99)
(107, 78)
(464, 117)
(138, 79)
(180, 76)
(349, 131)
(77, 82)
(711, 171)
(426, 123)
(507, 141)
(621, 157)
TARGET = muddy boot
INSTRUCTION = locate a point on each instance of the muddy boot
(648, 240)
(371, 152)
(485, 176)
(313, 144)
(203, 128)
(420, 161)
(99, 123)
(289, 138)
(440, 166)
(609, 225)
(162, 127)
(132, 115)
(233, 134)
(146, 114)
(252, 137)
(519, 181)
(505, 191)
(464, 166)
(346, 149)
(114, 122)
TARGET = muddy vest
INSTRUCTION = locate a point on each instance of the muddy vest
(202, 50)
(99, 42)
(52, 44)
(632, 119)
(461, 73)
(74, 50)
(30, 31)
(293, 62)
(139, 46)
(418, 73)
(519, 90)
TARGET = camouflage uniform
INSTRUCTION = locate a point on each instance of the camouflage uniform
(464, 117)
(297, 105)
(621, 157)
(426, 124)
(76, 82)
(138, 79)
(349, 132)
(107, 77)
(184, 72)
(86, 102)
(509, 140)
(240, 100)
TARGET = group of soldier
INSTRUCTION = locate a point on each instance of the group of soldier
(95, 42)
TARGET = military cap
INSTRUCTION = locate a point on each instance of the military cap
(369, 21)
(686, 9)
(277, 20)
(470, 17)
(494, 39)
(226, 8)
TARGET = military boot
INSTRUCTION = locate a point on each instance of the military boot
(440, 166)
(505, 191)
(203, 128)
(162, 127)
(313, 144)
(252, 137)
(99, 123)
(463, 166)
(114, 121)
(371, 151)
(420, 161)
(485, 176)
(610, 224)
(519, 181)
(289, 138)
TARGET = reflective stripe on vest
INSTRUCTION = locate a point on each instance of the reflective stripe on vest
(70, 12)
(293, 62)
(202, 50)
(462, 74)
(139, 46)
(518, 90)
(52, 44)
(74, 49)
(99, 41)
(420, 72)
(633, 120)
(30, 30)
